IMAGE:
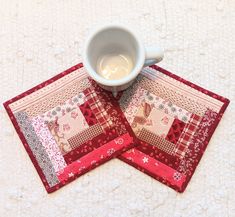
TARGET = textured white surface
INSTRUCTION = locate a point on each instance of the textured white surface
(39, 38)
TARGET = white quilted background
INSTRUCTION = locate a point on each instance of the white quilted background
(39, 39)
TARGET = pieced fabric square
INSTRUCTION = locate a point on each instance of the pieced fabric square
(173, 120)
(69, 125)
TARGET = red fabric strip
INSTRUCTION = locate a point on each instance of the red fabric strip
(154, 166)
(93, 157)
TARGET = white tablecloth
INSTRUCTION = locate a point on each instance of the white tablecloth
(40, 38)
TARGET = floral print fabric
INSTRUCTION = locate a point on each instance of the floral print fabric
(49, 144)
(61, 110)
(167, 107)
(37, 149)
(173, 120)
(159, 123)
(66, 127)
(67, 113)
(69, 125)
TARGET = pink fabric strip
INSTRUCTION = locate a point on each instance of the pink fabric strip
(94, 157)
(49, 144)
(154, 166)
(133, 107)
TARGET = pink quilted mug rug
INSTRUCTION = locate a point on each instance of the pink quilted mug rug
(69, 125)
(173, 120)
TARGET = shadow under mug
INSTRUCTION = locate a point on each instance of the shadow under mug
(118, 38)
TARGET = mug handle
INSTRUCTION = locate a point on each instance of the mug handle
(153, 55)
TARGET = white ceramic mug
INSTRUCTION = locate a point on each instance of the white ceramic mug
(114, 36)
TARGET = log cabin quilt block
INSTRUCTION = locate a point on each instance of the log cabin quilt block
(173, 120)
(69, 125)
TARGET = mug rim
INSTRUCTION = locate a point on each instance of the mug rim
(135, 71)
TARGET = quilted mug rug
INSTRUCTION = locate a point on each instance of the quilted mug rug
(69, 125)
(173, 120)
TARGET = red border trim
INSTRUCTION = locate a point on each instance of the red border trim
(212, 129)
(27, 148)
(70, 70)
(20, 134)
(15, 124)
(211, 132)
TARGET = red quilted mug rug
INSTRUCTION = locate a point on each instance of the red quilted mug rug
(173, 120)
(69, 125)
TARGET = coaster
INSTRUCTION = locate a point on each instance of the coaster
(173, 120)
(69, 125)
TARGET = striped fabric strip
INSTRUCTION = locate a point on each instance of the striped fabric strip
(171, 95)
(30, 99)
(56, 98)
(181, 88)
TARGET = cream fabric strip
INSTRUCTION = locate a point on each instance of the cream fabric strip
(183, 89)
(53, 87)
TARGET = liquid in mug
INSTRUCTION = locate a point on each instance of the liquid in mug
(114, 66)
